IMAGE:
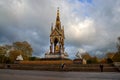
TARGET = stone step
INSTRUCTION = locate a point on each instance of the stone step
(70, 65)
(57, 68)
(89, 65)
(86, 68)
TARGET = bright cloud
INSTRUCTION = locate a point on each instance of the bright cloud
(90, 25)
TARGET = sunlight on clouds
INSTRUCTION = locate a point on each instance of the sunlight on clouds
(18, 7)
(82, 29)
(91, 25)
(81, 51)
(35, 34)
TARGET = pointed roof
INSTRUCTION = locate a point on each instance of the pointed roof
(55, 32)
(58, 24)
(58, 15)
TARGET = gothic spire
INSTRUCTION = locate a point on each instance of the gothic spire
(58, 24)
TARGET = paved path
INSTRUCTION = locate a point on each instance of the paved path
(7, 74)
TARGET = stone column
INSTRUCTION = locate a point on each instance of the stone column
(60, 49)
(51, 48)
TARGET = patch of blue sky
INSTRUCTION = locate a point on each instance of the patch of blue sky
(86, 14)
(84, 1)
(72, 1)
(84, 8)
(89, 1)
(75, 10)
(81, 1)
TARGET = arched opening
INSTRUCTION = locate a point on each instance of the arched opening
(56, 45)
(55, 41)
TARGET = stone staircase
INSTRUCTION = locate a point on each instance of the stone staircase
(68, 67)
(91, 68)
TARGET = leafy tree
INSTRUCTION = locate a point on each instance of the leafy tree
(109, 60)
(103, 60)
(13, 54)
(2, 50)
(116, 57)
(92, 60)
(110, 55)
(25, 47)
(2, 54)
(4, 59)
(32, 58)
(86, 56)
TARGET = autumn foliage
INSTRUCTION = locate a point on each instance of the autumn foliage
(13, 54)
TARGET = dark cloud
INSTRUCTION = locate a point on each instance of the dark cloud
(91, 25)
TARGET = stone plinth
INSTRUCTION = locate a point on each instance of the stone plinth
(49, 55)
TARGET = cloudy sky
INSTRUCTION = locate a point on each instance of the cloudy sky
(90, 25)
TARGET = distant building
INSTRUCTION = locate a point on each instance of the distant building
(79, 59)
(84, 61)
(57, 37)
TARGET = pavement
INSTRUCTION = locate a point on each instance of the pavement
(8, 74)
